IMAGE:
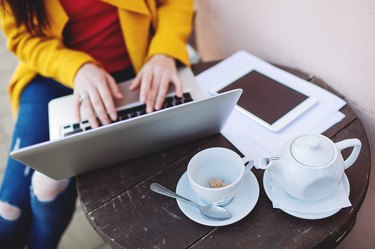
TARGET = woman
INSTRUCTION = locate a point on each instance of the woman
(80, 47)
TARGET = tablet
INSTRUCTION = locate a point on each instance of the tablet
(267, 101)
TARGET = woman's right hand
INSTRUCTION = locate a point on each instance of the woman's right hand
(94, 93)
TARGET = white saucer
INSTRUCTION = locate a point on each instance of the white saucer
(241, 205)
(309, 216)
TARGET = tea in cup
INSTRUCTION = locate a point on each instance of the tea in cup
(215, 174)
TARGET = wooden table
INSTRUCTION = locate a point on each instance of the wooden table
(120, 206)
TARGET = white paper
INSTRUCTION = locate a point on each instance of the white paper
(251, 138)
(282, 200)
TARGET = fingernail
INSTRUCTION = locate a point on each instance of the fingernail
(157, 106)
(113, 116)
(149, 109)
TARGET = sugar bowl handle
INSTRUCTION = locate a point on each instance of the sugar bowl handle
(356, 144)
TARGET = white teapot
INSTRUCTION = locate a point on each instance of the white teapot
(311, 167)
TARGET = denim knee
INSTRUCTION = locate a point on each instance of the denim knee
(47, 189)
(9, 212)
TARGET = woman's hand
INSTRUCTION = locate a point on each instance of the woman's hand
(154, 79)
(94, 90)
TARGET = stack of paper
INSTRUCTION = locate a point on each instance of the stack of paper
(251, 138)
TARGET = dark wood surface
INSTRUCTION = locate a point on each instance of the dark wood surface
(119, 205)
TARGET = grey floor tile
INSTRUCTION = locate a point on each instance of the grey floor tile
(7, 125)
(4, 103)
(3, 157)
(3, 136)
(80, 234)
(5, 77)
(4, 80)
(7, 63)
(105, 246)
(2, 36)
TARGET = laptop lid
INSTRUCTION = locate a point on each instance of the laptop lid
(117, 142)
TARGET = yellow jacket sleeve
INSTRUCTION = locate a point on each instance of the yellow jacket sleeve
(173, 27)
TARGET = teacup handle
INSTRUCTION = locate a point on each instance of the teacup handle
(356, 144)
(250, 162)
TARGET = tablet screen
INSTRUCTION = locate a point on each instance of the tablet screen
(264, 97)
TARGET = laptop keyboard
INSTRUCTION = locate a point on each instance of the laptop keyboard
(125, 114)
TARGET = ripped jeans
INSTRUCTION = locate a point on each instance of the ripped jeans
(34, 209)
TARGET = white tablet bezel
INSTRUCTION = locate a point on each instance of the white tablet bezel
(288, 117)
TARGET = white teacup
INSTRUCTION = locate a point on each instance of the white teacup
(217, 163)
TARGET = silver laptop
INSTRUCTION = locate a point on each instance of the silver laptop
(76, 148)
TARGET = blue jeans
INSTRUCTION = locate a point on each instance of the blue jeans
(40, 224)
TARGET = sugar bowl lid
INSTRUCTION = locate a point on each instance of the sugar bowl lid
(312, 150)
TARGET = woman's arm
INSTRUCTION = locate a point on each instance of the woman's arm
(168, 45)
(173, 28)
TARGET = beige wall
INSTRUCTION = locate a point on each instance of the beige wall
(334, 40)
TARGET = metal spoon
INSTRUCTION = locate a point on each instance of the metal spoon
(210, 212)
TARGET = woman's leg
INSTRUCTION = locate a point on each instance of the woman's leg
(52, 207)
(14, 202)
(31, 128)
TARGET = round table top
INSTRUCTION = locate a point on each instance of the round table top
(119, 204)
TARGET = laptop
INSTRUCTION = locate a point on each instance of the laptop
(75, 148)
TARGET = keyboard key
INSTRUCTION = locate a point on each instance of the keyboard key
(177, 102)
(141, 112)
(72, 132)
(120, 118)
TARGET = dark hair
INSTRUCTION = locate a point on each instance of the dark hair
(30, 13)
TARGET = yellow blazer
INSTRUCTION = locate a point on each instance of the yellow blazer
(170, 21)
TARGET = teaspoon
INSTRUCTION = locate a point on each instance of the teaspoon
(210, 212)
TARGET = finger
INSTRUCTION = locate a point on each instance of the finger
(98, 106)
(163, 89)
(145, 86)
(107, 100)
(179, 85)
(77, 108)
(115, 90)
(91, 117)
(136, 82)
(153, 91)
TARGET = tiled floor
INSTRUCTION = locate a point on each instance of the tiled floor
(80, 235)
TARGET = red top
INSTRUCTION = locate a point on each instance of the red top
(94, 28)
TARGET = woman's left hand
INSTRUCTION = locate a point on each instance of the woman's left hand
(154, 79)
